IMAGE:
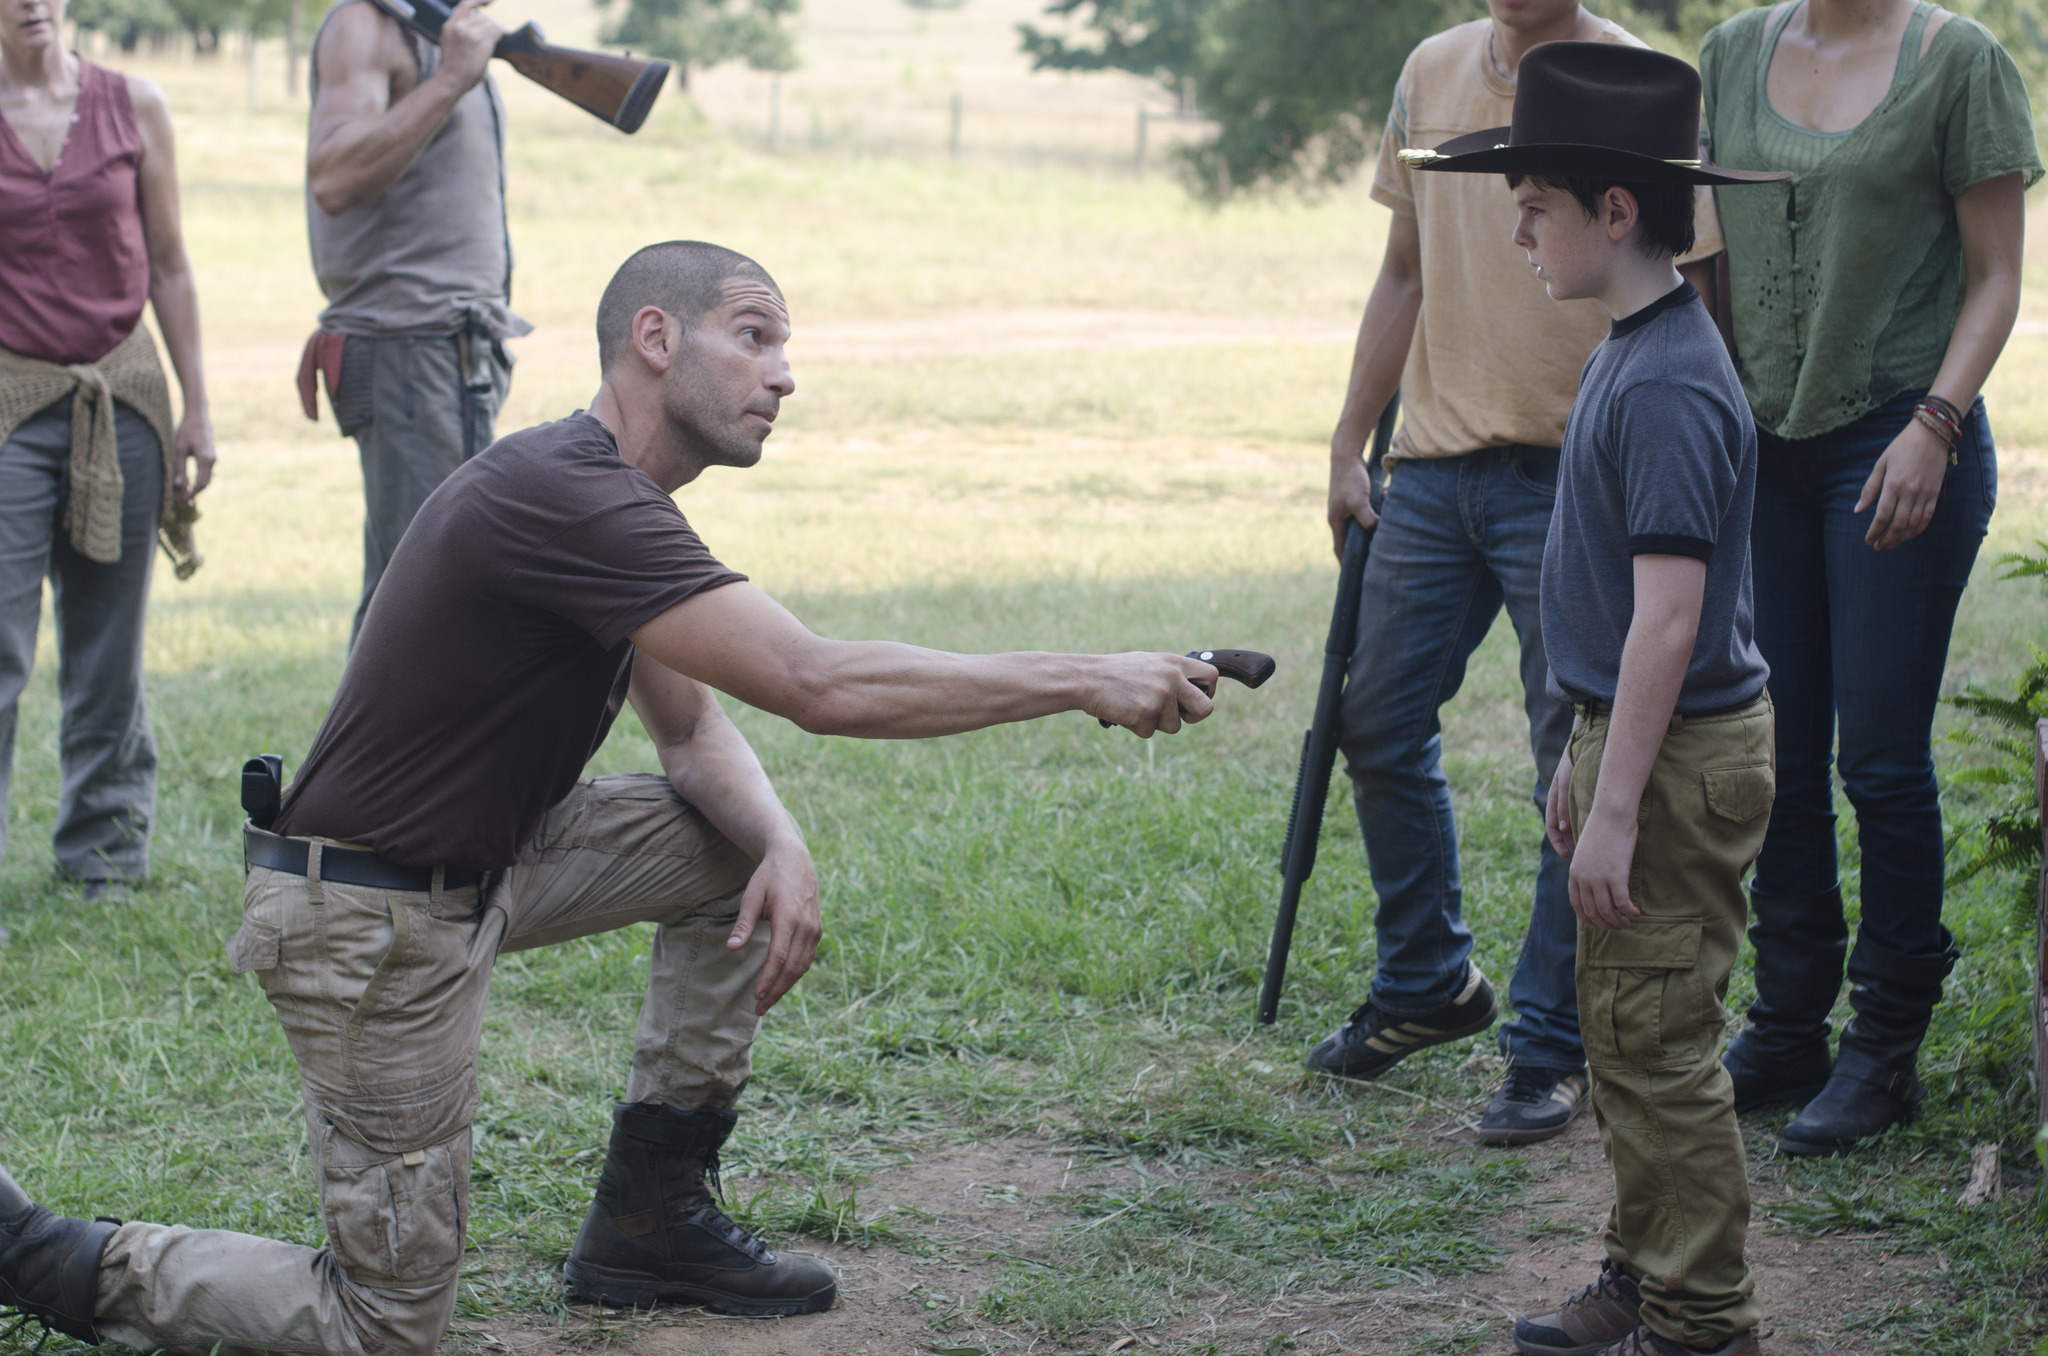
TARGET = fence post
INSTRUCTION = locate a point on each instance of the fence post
(1144, 121)
(953, 139)
(2040, 1004)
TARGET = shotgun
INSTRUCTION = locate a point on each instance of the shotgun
(618, 89)
(1319, 744)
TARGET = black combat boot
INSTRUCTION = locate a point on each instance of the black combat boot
(655, 1234)
(1874, 1086)
(50, 1265)
(1781, 1057)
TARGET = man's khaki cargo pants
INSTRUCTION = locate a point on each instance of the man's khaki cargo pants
(382, 997)
(1650, 1010)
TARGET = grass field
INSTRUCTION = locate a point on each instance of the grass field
(1042, 403)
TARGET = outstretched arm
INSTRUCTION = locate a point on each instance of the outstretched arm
(739, 640)
(713, 768)
(171, 291)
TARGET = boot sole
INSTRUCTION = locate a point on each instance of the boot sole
(622, 1290)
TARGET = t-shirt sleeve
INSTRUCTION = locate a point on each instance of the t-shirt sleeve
(1677, 447)
(618, 569)
(1989, 130)
(1393, 183)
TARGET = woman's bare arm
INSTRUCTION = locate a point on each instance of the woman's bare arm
(171, 290)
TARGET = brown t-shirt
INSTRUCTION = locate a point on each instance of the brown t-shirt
(495, 655)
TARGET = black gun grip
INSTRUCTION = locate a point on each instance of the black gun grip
(262, 788)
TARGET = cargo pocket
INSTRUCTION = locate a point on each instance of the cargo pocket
(258, 945)
(1740, 794)
(394, 1219)
(1640, 1001)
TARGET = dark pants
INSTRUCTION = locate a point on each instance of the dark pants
(1459, 538)
(1857, 640)
(106, 745)
(418, 407)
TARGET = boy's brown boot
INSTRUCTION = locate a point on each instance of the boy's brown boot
(1595, 1318)
(1643, 1342)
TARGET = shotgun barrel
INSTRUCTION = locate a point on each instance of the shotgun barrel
(1319, 744)
(616, 89)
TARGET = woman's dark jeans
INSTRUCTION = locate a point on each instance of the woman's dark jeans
(1860, 637)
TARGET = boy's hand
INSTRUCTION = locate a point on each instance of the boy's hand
(1557, 807)
(1600, 866)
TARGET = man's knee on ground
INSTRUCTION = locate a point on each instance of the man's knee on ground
(394, 1225)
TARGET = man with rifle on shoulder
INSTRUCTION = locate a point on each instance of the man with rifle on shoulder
(1486, 366)
(405, 208)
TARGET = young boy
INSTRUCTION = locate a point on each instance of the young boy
(1665, 789)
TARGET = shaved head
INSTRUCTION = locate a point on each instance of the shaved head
(684, 278)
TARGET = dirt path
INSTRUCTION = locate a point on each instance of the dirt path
(993, 1202)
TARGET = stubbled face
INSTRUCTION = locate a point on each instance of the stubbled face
(1533, 15)
(731, 375)
(1569, 251)
(31, 25)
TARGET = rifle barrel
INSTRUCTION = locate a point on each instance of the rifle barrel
(1319, 744)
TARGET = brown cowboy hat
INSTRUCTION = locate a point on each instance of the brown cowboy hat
(1595, 110)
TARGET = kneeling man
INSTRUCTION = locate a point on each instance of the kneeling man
(440, 820)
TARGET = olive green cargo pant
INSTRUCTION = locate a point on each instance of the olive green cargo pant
(381, 993)
(1650, 999)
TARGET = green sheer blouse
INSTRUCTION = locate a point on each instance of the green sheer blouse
(1848, 277)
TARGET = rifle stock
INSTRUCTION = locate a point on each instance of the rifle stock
(1319, 744)
(618, 89)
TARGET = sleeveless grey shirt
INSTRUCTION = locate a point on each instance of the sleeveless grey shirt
(430, 254)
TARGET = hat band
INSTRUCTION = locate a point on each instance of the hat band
(1416, 159)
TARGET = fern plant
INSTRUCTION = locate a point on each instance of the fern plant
(2006, 839)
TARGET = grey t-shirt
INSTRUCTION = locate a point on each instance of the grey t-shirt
(1659, 459)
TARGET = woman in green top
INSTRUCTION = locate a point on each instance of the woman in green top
(1869, 296)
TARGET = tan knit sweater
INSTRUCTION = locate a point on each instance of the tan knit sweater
(131, 374)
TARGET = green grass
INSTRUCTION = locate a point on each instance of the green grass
(1049, 930)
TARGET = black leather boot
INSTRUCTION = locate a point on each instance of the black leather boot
(1781, 1057)
(1874, 1086)
(50, 1265)
(655, 1234)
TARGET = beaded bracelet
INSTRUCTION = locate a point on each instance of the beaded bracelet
(1954, 411)
(1936, 421)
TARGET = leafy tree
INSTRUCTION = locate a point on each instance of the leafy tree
(1158, 39)
(125, 22)
(703, 33)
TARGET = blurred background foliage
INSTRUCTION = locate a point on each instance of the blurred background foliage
(1298, 88)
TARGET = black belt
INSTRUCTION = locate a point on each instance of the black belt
(345, 865)
(1603, 708)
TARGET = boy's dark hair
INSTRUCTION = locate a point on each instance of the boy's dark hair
(1665, 210)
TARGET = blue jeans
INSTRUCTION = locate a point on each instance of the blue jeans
(1858, 638)
(1458, 538)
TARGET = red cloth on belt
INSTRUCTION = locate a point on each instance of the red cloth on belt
(322, 355)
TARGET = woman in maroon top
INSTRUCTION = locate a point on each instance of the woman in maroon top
(91, 466)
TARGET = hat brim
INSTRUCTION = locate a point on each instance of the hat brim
(1487, 153)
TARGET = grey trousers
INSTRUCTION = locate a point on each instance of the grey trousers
(381, 993)
(105, 743)
(418, 407)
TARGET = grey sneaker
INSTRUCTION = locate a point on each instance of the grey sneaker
(1372, 1041)
(1533, 1105)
